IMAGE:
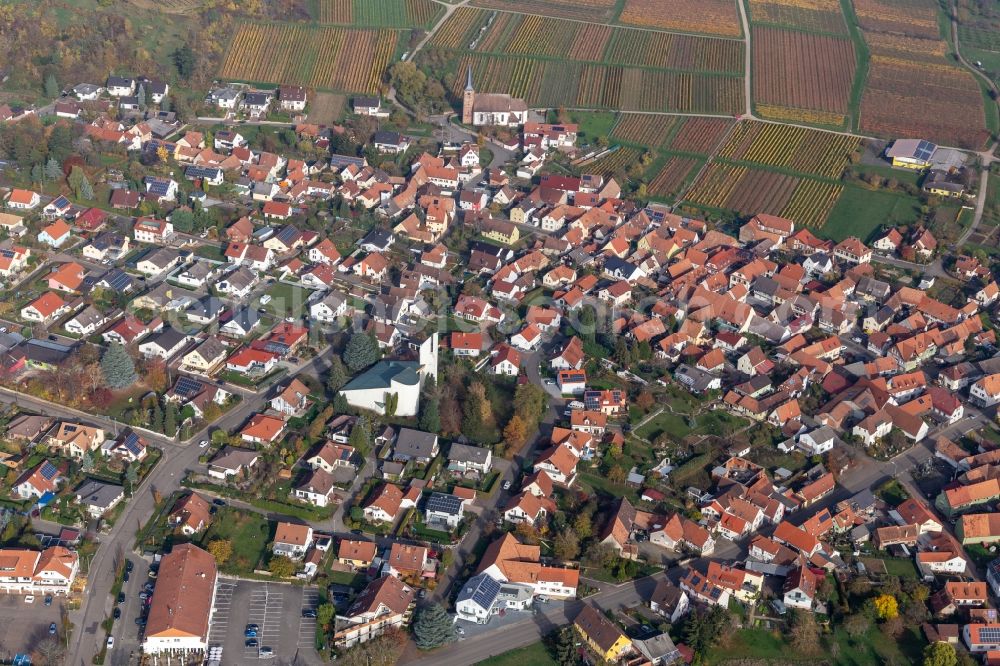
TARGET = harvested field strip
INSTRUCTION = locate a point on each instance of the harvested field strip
(643, 128)
(645, 48)
(335, 11)
(582, 10)
(699, 135)
(671, 176)
(800, 18)
(917, 18)
(378, 13)
(713, 17)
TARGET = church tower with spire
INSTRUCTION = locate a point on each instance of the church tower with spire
(468, 99)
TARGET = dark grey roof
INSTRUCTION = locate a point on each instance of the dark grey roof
(367, 102)
(118, 81)
(378, 237)
(117, 280)
(246, 318)
(98, 494)
(415, 443)
(383, 373)
(388, 138)
(207, 306)
(167, 339)
(257, 99)
(469, 454)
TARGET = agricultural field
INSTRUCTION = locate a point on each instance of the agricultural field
(644, 129)
(380, 14)
(802, 76)
(823, 16)
(671, 176)
(917, 18)
(750, 191)
(712, 17)
(325, 58)
(919, 99)
(614, 162)
(805, 151)
(583, 10)
(699, 135)
(561, 82)
(508, 33)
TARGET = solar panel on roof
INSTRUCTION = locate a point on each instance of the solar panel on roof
(186, 387)
(486, 592)
(7, 253)
(924, 150)
(48, 471)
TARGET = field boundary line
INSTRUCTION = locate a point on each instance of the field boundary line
(708, 162)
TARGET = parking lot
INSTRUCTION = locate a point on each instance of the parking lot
(26, 626)
(128, 635)
(276, 608)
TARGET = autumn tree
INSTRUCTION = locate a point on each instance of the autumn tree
(582, 525)
(221, 550)
(616, 475)
(281, 566)
(515, 433)
(645, 400)
(886, 607)
(805, 632)
(566, 545)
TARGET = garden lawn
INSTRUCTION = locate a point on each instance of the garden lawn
(900, 567)
(859, 212)
(872, 649)
(287, 300)
(249, 532)
(532, 655)
(663, 422)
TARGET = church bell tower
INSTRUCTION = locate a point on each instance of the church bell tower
(468, 99)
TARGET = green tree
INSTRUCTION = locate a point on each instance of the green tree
(325, 614)
(361, 352)
(86, 189)
(704, 629)
(36, 173)
(52, 170)
(184, 61)
(156, 422)
(60, 142)
(118, 368)
(433, 627)
(87, 462)
(561, 647)
(132, 474)
(281, 566)
(430, 417)
(76, 178)
(165, 103)
(940, 653)
(183, 220)
(336, 376)
(170, 415)
(51, 86)
(361, 437)
(140, 96)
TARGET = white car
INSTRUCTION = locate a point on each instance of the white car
(265, 299)
(203, 444)
(506, 485)
(30, 599)
(111, 642)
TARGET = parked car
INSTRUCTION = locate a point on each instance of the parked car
(52, 628)
(129, 565)
(30, 599)
(141, 621)
(48, 599)
(144, 595)
(309, 612)
(117, 613)
(506, 485)
(250, 633)
(111, 642)
(121, 597)
(265, 653)
(252, 643)
(219, 502)
(203, 444)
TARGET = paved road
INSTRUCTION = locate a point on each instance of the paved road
(165, 478)
(984, 178)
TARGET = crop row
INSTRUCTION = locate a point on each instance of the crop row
(584, 10)
(671, 177)
(352, 60)
(554, 83)
(713, 17)
(381, 14)
(798, 149)
(751, 191)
